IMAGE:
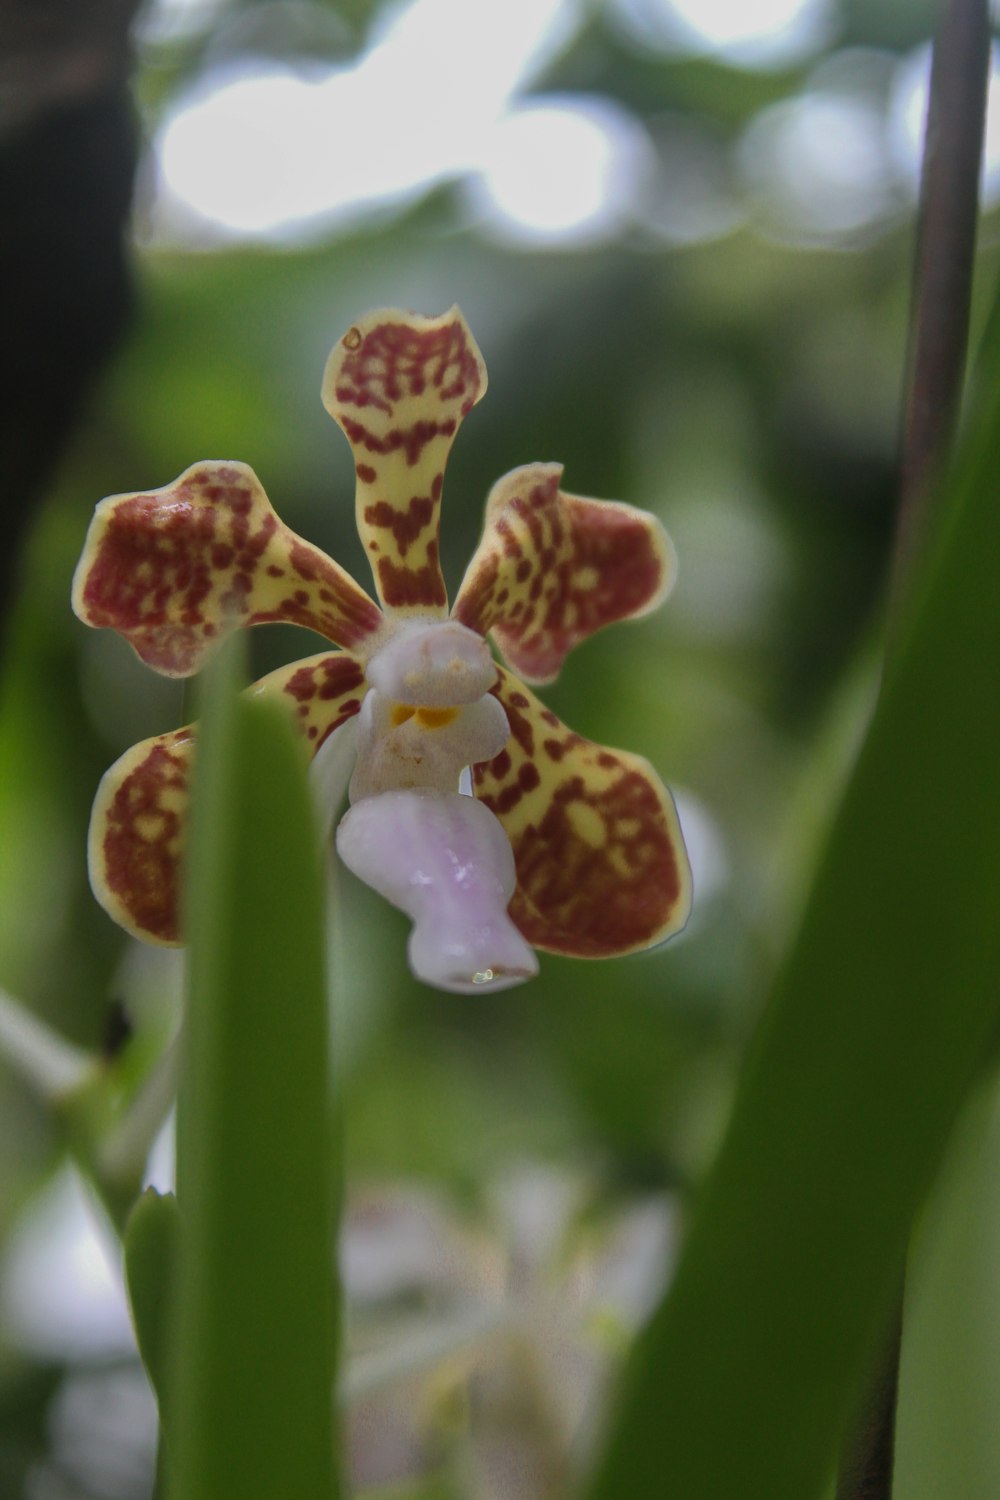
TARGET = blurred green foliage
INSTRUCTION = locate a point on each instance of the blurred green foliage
(747, 389)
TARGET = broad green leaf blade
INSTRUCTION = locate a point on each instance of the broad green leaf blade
(948, 1437)
(152, 1247)
(879, 1022)
(254, 1369)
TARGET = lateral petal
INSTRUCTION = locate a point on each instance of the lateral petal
(600, 858)
(174, 569)
(399, 385)
(138, 825)
(551, 569)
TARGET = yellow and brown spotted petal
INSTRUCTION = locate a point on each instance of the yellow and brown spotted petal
(139, 821)
(173, 569)
(601, 864)
(553, 568)
(399, 385)
(321, 692)
(137, 833)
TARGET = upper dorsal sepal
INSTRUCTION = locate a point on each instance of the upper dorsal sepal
(399, 385)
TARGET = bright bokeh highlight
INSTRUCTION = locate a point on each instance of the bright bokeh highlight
(744, 33)
(818, 167)
(561, 171)
(271, 151)
(908, 118)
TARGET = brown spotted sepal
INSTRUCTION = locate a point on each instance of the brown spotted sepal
(137, 835)
(601, 864)
(399, 385)
(320, 692)
(551, 569)
(138, 825)
(174, 569)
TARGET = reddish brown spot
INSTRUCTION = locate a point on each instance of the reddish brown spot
(341, 678)
(507, 799)
(166, 562)
(365, 473)
(570, 898)
(143, 873)
(405, 525)
(411, 441)
(613, 548)
(402, 586)
(528, 777)
(520, 723)
(397, 359)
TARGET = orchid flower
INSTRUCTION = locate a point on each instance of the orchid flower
(564, 845)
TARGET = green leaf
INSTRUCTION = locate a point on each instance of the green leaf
(152, 1247)
(947, 1437)
(877, 1028)
(254, 1369)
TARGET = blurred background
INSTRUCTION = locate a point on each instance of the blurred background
(682, 232)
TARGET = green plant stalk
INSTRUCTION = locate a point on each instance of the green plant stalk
(935, 374)
(254, 1360)
(877, 1028)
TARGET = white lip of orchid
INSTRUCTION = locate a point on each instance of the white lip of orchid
(441, 857)
(432, 664)
(446, 862)
(401, 747)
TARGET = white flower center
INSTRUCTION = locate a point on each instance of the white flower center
(441, 857)
(429, 712)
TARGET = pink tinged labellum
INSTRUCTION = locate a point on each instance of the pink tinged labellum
(174, 569)
(551, 569)
(601, 864)
(400, 385)
(138, 825)
(445, 861)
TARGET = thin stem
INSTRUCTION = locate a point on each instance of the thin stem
(942, 285)
(939, 333)
(866, 1471)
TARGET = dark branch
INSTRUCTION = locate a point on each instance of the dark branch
(949, 203)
